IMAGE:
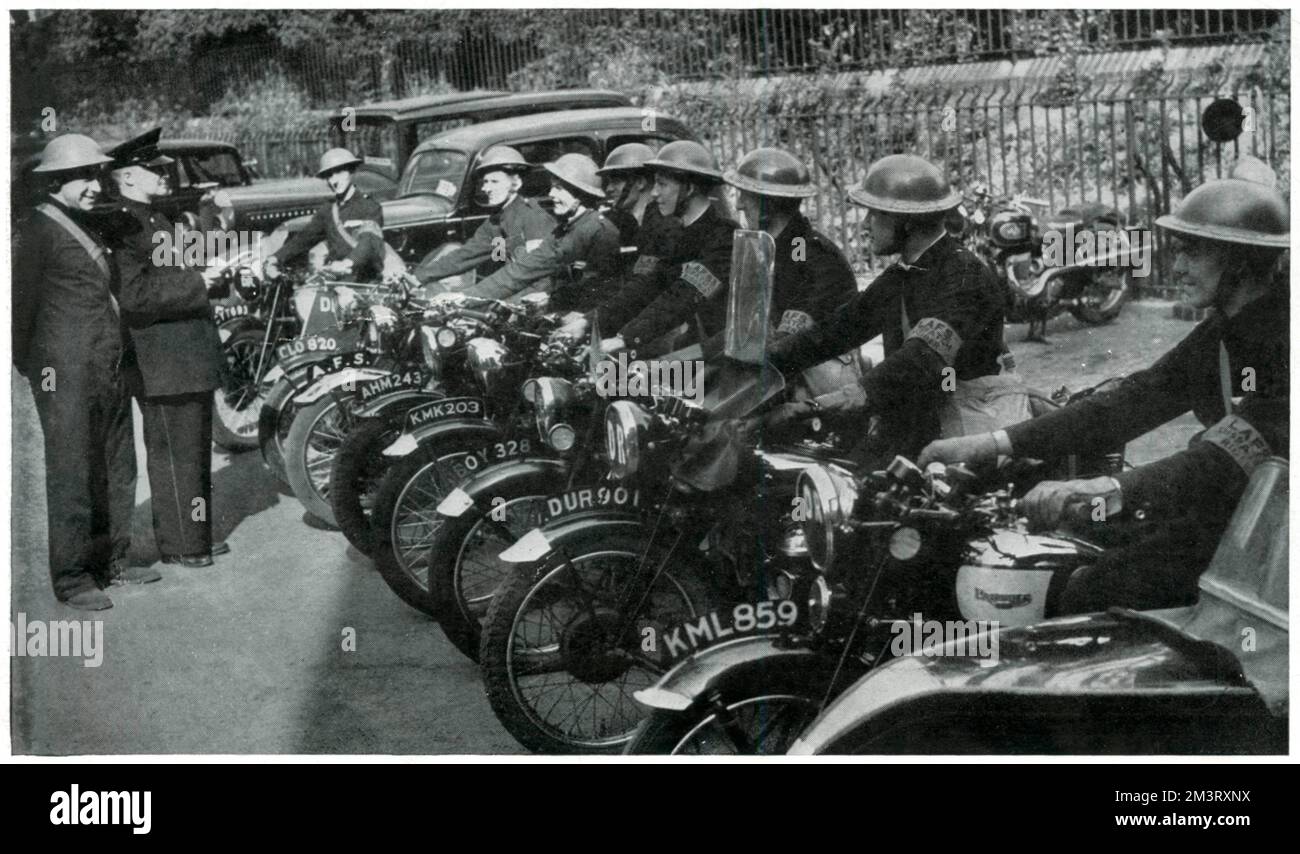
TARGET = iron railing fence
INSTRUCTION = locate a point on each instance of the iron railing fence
(525, 48)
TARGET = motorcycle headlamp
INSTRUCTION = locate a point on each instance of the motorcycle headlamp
(446, 337)
(626, 425)
(247, 285)
(561, 437)
(826, 498)
(1011, 231)
(487, 359)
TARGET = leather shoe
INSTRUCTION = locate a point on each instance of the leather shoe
(120, 572)
(191, 561)
(93, 599)
(221, 548)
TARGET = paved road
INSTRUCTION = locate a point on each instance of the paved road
(246, 657)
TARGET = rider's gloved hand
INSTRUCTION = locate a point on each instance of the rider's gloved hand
(1053, 501)
(271, 268)
(339, 268)
(979, 448)
(609, 345)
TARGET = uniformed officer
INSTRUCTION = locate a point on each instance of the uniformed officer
(174, 357)
(516, 226)
(68, 342)
(938, 307)
(693, 285)
(581, 252)
(352, 225)
(629, 190)
(1232, 371)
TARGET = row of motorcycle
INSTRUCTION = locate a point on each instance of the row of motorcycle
(646, 573)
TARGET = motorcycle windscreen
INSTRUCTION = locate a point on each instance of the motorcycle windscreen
(749, 297)
(734, 390)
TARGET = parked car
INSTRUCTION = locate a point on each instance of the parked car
(385, 133)
(1211, 678)
(437, 204)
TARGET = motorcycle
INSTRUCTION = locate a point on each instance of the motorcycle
(1180, 680)
(1079, 262)
(433, 447)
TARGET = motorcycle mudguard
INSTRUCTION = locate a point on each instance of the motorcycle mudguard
(539, 542)
(717, 666)
(526, 473)
(386, 403)
(339, 379)
(227, 328)
(408, 443)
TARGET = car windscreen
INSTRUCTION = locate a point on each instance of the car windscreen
(439, 171)
(373, 139)
(219, 167)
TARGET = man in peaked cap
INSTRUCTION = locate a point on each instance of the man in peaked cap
(67, 341)
(174, 358)
(1232, 371)
(352, 225)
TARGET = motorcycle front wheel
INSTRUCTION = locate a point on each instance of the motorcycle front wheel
(760, 716)
(314, 440)
(1099, 298)
(359, 468)
(274, 421)
(239, 400)
(405, 517)
(560, 663)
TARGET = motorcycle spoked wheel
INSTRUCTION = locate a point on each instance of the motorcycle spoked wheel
(760, 716)
(405, 517)
(276, 419)
(359, 468)
(464, 569)
(315, 437)
(1101, 294)
(239, 400)
(555, 677)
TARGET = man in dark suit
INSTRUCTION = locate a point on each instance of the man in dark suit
(68, 344)
(173, 359)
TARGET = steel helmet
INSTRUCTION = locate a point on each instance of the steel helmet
(688, 158)
(772, 172)
(1232, 210)
(335, 159)
(905, 184)
(71, 151)
(502, 158)
(631, 157)
(579, 172)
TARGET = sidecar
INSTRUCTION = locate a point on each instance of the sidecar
(1208, 679)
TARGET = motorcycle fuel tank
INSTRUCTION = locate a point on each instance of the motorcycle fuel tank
(1012, 577)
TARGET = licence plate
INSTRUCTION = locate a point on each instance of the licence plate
(743, 619)
(334, 364)
(436, 410)
(592, 498)
(311, 344)
(370, 389)
(223, 313)
(497, 452)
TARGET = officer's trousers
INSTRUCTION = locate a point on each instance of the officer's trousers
(89, 475)
(178, 441)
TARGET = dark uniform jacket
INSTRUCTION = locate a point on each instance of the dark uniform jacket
(518, 228)
(585, 247)
(698, 272)
(353, 231)
(810, 278)
(654, 241)
(1213, 470)
(173, 343)
(64, 315)
(952, 308)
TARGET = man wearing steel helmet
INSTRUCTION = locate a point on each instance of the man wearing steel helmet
(516, 226)
(583, 248)
(939, 308)
(352, 225)
(697, 271)
(67, 341)
(173, 360)
(1231, 371)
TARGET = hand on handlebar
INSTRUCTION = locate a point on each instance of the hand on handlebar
(1052, 502)
(979, 448)
(271, 268)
